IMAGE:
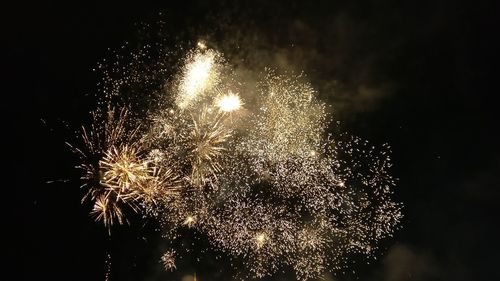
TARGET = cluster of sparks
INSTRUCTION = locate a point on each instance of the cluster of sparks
(253, 170)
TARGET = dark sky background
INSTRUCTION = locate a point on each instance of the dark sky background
(419, 75)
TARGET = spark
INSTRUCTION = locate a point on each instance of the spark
(201, 45)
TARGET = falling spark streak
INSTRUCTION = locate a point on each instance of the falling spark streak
(274, 188)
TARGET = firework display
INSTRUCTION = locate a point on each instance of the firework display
(251, 167)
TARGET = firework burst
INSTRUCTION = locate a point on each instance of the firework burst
(168, 260)
(115, 174)
(208, 135)
(264, 181)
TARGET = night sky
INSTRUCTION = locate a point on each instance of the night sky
(418, 75)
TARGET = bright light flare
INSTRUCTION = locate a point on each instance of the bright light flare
(229, 102)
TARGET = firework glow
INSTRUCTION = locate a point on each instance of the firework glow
(229, 102)
(252, 168)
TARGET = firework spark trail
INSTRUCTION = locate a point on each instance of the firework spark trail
(269, 186)
(108, 264)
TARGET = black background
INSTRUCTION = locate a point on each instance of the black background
(429, 67)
